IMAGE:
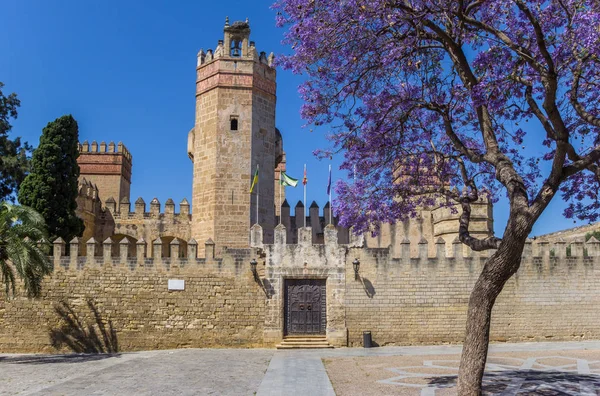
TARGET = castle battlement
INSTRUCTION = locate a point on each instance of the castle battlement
(122, 210)
(169, 253)
(103, 148)
(316, 220)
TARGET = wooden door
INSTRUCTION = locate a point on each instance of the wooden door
(305, 306)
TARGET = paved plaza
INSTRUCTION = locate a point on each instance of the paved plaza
(561, 368)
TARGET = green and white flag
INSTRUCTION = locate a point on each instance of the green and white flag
(285, 180)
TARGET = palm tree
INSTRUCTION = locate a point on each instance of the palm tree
(21, 229)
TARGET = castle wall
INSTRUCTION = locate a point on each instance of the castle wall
(424, 300)
(405, 300)
(148, 226)
(220, 306)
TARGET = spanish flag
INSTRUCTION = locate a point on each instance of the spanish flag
(254, 179)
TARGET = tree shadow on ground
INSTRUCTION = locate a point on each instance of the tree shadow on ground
(98, 336)
(49, 359)
(530, 382)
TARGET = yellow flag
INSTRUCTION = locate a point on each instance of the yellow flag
(254, 179)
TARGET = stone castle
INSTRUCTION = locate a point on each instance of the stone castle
(234, 132)
(222, 275)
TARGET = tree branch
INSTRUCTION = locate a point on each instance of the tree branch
(464, 235)
(581, 111)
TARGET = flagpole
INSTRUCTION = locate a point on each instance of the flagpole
(330, 202)
(280, 194)
(257, 192)
(304, 214)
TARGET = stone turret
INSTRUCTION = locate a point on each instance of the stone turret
(234, 133)
(106, 166)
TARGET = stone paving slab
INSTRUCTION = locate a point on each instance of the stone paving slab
(176, 372)
(293, 373)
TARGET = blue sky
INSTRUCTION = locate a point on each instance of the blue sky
(126, 71)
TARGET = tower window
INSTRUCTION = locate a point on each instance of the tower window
(236, 51)
(233, 124)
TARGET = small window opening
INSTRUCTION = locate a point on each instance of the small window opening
(234, 124)
(235, 48)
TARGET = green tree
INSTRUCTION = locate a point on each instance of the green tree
(51, 186)
(20, 230)
(595, 234)
(13, 153)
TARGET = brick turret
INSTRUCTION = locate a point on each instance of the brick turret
(109, 168)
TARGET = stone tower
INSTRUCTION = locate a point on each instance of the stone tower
(234, 132)
(108, 167)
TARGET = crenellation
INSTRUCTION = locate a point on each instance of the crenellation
(560, 248)
(593, 247)
(169, 207)
(124, 207)
(58, 248)
(157, 249)
(91, 247)
(111, 205)
(184, 207)
(192, 252)
(107, 247)
(577, 248)
(104, 148)
(140, 252)
(124, 249)
(140, 207)
(155, 207)
(174, 246)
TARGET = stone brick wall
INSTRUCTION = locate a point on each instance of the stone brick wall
(401, 297)
(220, 306)
(424, 300)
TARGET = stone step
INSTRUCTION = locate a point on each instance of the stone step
(302, 346)
(304, 342)
(305, 339)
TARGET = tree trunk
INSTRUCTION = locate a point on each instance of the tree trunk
(497, 270)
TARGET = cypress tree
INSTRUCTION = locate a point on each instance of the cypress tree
(51, 186)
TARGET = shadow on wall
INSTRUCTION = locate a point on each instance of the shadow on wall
(368, 286)
(98, 336)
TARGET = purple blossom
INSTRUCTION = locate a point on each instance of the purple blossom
(424, 97)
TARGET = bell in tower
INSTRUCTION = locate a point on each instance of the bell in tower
(236, 38)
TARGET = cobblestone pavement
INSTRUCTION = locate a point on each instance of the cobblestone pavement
(560, 368)
(175, 372)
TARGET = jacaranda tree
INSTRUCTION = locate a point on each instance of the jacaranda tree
(454, 99)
